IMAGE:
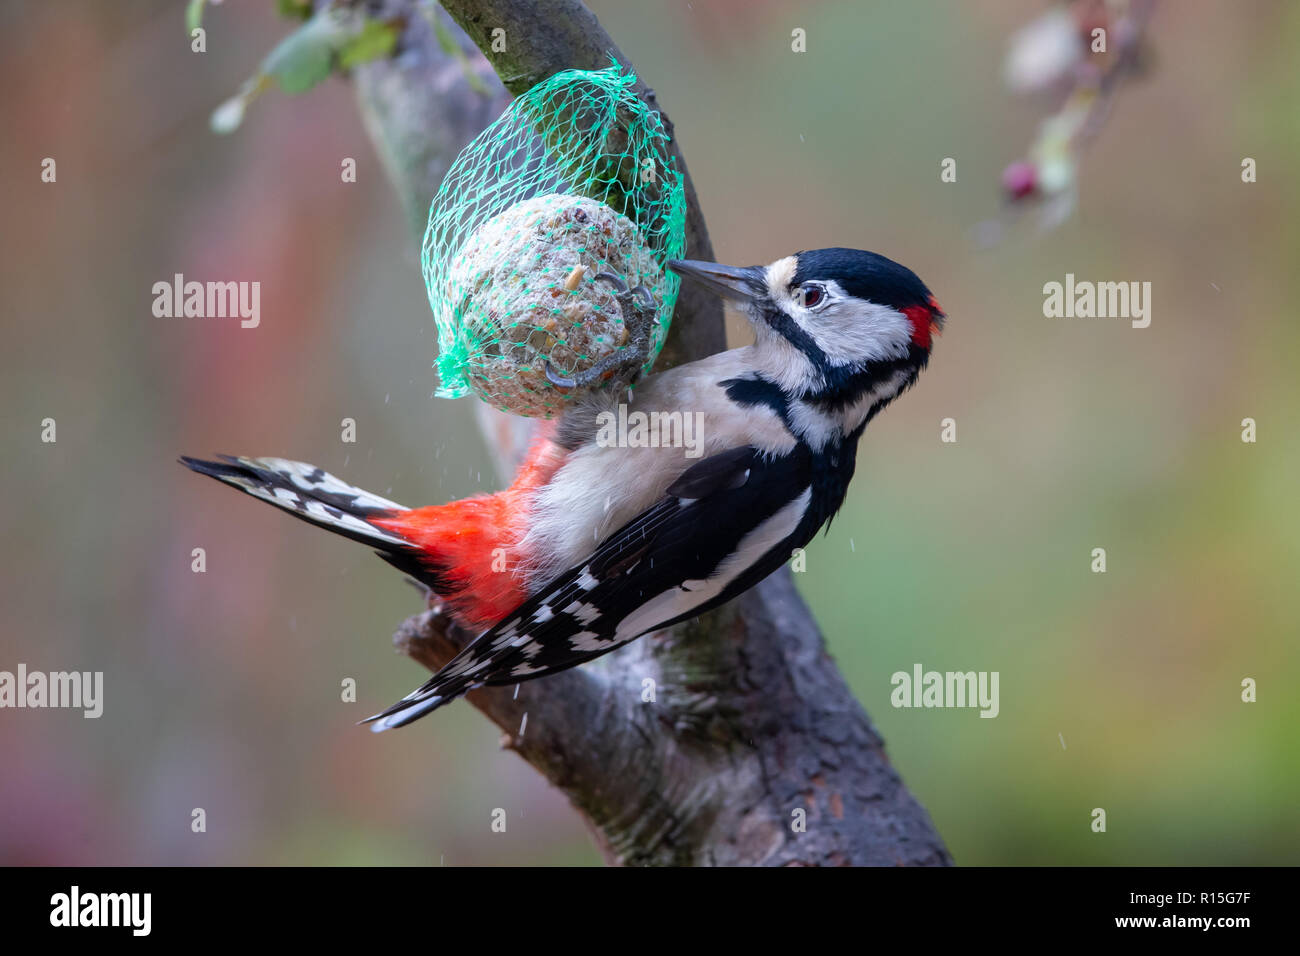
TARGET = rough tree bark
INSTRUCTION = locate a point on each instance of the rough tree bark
(751, 720)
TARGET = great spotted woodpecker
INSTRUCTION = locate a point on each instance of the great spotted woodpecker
(603, 543)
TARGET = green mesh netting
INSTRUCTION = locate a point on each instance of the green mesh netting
(574, 179)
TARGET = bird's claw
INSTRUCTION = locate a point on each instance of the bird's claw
(559, 381)
(637, 316)
(619, 285)
(588, 377)
(647, 298)
(615, 282)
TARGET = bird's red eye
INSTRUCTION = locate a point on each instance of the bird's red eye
(810, 295)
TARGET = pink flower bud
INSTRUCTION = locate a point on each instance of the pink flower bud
(1020, 179)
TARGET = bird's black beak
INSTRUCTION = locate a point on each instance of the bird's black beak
(740, 285)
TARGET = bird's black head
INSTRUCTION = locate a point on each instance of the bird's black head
(830, 321)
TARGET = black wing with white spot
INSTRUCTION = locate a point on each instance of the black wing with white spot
(724, 525)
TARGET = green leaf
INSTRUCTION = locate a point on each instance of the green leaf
(305, 56)
(335, 36)
(375, 41)
(293, 9)
(194, 15)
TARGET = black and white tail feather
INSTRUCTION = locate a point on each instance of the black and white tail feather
(314, 495)
(307, 492)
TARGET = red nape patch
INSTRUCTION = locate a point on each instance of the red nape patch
(923, 324)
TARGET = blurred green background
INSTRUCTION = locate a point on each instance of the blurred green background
(222, 689)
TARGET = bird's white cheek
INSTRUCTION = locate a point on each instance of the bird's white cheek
(856, 332)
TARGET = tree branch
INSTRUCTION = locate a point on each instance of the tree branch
(749, 721)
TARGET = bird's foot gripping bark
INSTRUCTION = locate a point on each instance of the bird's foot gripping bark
(639, 309)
